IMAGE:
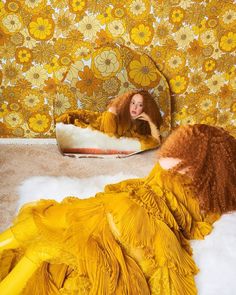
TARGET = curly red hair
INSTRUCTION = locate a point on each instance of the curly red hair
(122, 104)
(210, 154)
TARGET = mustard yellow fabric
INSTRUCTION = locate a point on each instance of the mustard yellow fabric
(132, 238)
(106, 122)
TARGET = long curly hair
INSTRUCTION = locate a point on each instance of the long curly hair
(209, 153)
(150, 107)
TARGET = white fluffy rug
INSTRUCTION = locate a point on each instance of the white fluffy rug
(215, 256)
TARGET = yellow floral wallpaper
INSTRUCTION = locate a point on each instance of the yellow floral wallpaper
(51, 50)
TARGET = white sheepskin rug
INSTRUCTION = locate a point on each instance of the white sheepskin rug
(70, 136)
(215, 256)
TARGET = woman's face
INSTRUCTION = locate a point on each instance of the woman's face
(136, 105)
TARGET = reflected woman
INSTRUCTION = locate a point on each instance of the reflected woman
(134, 114)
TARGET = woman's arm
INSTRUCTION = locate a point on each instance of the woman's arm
(154, 129)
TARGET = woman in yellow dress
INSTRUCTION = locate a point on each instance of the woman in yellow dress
(134, 114)
(132, 238)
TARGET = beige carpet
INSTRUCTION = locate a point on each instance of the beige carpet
(19, 162)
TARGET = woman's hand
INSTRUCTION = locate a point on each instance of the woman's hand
(154, 130)
(143, 116)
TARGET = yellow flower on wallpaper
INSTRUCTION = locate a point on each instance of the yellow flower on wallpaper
(176, 15)
(11, 72)
(178, 84)
(39, 123)
(89, 26)
(228, 42)
(13, 119)
(209, 65)
(208, 37)
(184, 36)
(83, 52)
(61, 104)
(12, 6)
(142, 34)
(138, 9)
(32, 100)
(36, 75)
(35, 5)
(65, 22)
(88, 83)
(175, 61)
(29, 41)
(111, 86)
(23, 55)
(7, 50)
(118, 11)
(15, 106)
(126, 85)
(53, 66)
(105, 17)
(72, 72)
(116, 28)
(3, 110)
(76, 6)
(11, 23)
(200, 28)
(215, 83)
(41, 28)
(207, 104)
(106, 62)
(143, 72)
(227, 17)
(210, 120)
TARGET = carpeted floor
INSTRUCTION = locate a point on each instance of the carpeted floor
(19, 162)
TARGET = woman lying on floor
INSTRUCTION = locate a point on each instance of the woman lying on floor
(134, 114)
(132, 238)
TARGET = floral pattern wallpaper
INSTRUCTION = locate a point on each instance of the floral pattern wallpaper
(44, 44)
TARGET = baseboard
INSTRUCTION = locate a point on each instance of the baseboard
(28, 141)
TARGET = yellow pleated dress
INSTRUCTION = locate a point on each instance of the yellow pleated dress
(132, 238)
(106, 122)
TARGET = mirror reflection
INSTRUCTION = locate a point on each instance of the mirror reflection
(130, 124)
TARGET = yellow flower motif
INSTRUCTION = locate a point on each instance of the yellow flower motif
(200, 28)
(176, 15)
(13, 119)
(89, 26)
(184, 36)
(36, 75)
(106, 17)
(116, 28)
(3, 110)
(33, 100)
(11, 23)
(52, 66)
(106, 62)
(41, 28)
(77, 6)
(23, 55)
(209, 65)
(138, 9)
(215, 83)
(231, 73)
(209, 120)
(227, 17)
(83, 52)
(175, 61)
(228, 42)
(39, 123)
(208, 37)
(12, 6)
(118, 11)
(178, 84)
(141, 35)
(143, 72)
(34, 6)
